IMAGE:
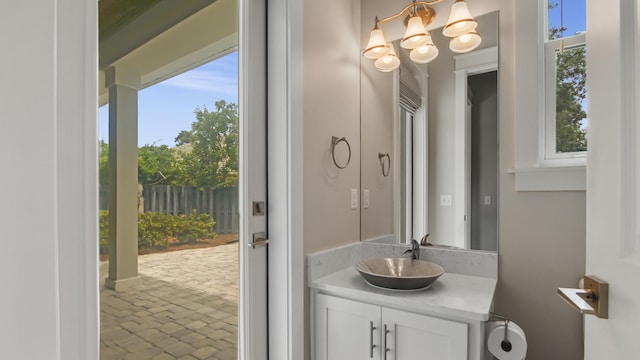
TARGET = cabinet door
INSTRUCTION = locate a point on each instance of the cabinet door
(346, 330)
(419, 337)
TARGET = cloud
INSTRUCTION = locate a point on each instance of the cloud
(218, 79)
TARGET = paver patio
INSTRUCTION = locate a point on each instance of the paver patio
(186, 308)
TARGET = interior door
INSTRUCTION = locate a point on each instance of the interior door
(253, 314)
(613, 189)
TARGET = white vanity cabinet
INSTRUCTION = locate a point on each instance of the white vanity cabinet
(348, 329)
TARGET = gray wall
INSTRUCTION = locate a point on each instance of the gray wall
(331, 108)
(484, 161)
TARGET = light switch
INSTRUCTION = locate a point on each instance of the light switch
(365, 198)
(354, 199)
(446, 200)
(487, 200)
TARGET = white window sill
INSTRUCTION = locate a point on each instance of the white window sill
(567, 178)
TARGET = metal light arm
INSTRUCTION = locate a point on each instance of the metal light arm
(406, 10)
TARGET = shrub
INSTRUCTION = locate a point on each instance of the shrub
(152, 230)
(194, 228)
(104, 231)
(155, 229)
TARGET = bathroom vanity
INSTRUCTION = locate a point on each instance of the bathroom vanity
(350, 319)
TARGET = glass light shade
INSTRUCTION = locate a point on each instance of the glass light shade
(460, 20)
(425, 53)
(388, 62)
(377, 46)
(465, 43)
(415, 35)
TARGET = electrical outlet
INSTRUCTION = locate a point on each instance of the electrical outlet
(365, 199)
(446, 200)
(354, 199)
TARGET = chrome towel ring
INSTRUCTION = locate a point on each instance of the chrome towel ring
(382, 156)
(334, 142)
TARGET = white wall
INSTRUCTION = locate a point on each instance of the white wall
(49, 302)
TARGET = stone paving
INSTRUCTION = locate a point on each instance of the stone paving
(186, 308)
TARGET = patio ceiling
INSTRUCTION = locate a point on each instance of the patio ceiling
(158, 39)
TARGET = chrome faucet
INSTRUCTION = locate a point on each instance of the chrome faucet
(415, 250)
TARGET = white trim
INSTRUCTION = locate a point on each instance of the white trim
(548, 155)
(478, 62)
(567, 178)
(420, 211)
(76, 47)
(285, 176)
(629, 131)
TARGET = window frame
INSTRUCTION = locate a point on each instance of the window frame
(550, 96)
(548, 156)
(530, 171)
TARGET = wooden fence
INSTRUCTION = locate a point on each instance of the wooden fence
(221, 204)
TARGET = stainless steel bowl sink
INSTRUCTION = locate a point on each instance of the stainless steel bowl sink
(399, 273)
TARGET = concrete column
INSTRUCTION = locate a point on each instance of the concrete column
(123, 178)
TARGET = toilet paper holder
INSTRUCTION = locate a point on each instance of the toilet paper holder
(505, 345)
(593, 298)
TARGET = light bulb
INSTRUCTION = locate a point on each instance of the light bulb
(388, 62)
(465, 43)
(460, 20)
(415, 35)
(377, 45)
(425, 53)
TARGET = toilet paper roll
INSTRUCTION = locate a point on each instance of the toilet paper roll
(516, 337)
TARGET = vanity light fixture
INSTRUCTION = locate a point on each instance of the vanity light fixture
(461, 28)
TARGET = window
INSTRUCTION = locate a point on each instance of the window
(565, 101)
(406, 174)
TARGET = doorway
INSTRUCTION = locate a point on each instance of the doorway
(188, 221)
(483, 161)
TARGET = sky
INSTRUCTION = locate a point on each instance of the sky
(167, 108)
(569, 13)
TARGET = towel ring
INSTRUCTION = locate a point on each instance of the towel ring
(334, 142)
(381, 156)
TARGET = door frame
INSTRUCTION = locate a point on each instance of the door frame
(285, 222)
(285, 179)
(253, 336)
(474, 63)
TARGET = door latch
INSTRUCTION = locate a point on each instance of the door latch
(259, 240)
(592, 299)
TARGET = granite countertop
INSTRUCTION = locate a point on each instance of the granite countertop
(454, 295)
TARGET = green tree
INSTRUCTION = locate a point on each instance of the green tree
(158, 165)
(103, 162)
(184, 137)
(213, 159)
(571, 92)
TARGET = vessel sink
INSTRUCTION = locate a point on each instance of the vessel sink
(399, 273)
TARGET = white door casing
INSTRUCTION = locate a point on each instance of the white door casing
(253, 312)
(477, 62)
(285, 179)
(613, 206)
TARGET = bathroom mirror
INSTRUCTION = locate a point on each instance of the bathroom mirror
(429, 145)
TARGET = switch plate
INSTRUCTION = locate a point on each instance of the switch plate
(487, 200)
(365, 198)
(354, 199)
(446, 200)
